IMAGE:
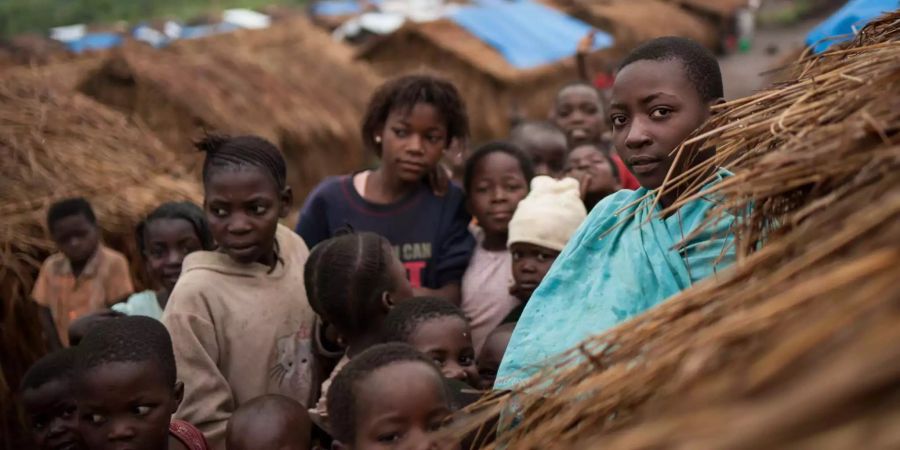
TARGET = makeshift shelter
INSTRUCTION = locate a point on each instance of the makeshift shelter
(499, 83)
(634, 21)
(841, 25)
(56, 143)
(796, 347)
(289, 83)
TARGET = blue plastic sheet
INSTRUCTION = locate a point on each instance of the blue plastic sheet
(94, 41)
(842, 24)
(527, 34)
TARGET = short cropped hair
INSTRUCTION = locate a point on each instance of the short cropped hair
(58, 365)
(700, 65)
(70, 207)
(490, 148)
(129, 339)
(342, 397)
(403, 319)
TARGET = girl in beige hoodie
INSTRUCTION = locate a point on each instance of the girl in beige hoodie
(239, 317)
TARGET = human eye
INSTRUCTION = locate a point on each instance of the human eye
(466, 360)
(661, 112)
(39, 423)
(389, 437)
(542, 257)
(400, 132)
(516, 256)
(590, 109)
(157, 251)
(142, 410)
(435, 138)
(218, 211)
(435, 425)
(259, 210)
(618, 120)
(96, 419)
(564, 112)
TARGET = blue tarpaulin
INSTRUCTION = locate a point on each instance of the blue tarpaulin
(336, 8)
(199, 31)
(94, 41)
(527, 34)
(850, 18)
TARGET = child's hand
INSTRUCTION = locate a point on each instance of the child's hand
(586, 43)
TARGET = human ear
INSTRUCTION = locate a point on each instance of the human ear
(387, 301)
(179, 395)
(287, 198)
(715, 102)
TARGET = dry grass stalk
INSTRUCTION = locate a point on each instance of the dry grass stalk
(55, 143)
(796, 346)
(291, 84)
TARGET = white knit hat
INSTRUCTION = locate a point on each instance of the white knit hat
(549, 215)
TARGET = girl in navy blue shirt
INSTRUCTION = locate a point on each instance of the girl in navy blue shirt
(408, 199)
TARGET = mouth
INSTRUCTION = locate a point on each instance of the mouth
(499, 215)
(69, 444)
(644, 164)
(242, 250)
(410, 166)
(577, 134)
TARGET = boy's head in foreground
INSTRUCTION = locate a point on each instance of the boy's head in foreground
(127, 387)
(545, 144)
(270, 422)
(245, 194)
(492, 354)
(663, 92)
(352, 282)
(540, 229)
(49, 402)
(389, 396)
(578, 111)
(438, 329)
(73, 227)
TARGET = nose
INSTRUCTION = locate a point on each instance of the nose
(638, 135)
(527, 266)
(454, 371)
(174, 257)
(421, 440)
(415, 143)
(121, 430)
(238, 224)
(58, 426)
(498, 195)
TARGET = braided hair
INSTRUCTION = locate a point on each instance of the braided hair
(345, 277)
(405, 318)
(226, 151)
(176, 210)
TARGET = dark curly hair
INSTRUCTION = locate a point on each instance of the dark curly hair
(58, 365)
(403, 319)
(342, 398)
(404, 93)
(70, 207)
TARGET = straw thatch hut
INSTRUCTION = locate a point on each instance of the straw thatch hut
(634, 21)
(289, 83)
(495, 92)
(797, 346)
(56, 143)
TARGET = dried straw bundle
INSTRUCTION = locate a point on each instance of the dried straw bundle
(798, 346)
(55, 144)
(495, 92)
(290, 84)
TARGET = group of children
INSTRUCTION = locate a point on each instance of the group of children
(406, 303)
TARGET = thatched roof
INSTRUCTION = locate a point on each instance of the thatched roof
(290, 84)
(56, 143)
(492, 87)
(634, 21)
(797, 346)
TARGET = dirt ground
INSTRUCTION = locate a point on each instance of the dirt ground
(743, 72)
